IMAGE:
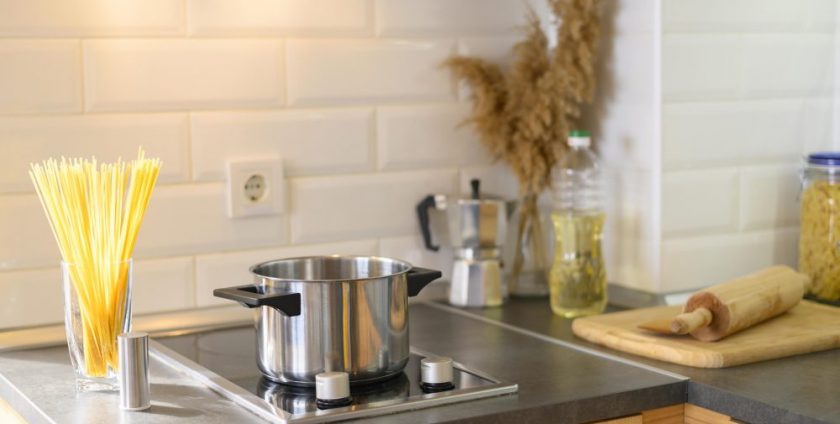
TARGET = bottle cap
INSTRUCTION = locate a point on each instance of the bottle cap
(134, 371)
(579, 138)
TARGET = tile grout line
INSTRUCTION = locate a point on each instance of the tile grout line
(555, 341)
(82, 85)
(190, 166)
(194, 285)
(373, 147)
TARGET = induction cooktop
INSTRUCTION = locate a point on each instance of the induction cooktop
(225, 360)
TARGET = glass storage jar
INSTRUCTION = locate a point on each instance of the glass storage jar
(819, 239)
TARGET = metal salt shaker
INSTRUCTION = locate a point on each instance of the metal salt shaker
(134, 371)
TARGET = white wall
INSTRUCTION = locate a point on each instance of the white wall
(348, 92)
(705, 110)
(747, 89)
(625, 121)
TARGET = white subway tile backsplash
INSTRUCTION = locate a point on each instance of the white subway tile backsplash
(700, 67)
(182, 74)
(786, 66)
(220, 270)
(410, 17)
(280, 17)
(68, 18)
(191, 219)
(820, 15)
(730, 15)
(40, 76)
(747, 15)
(494, 49)
(310, 142)
(31, 298)
(27, 241)
(703, 133)
(427, 136)
(180, 220)
(746, 88)
(496, 179)
(699, 201)
(712, 134)
(769, 196)
(367, 71)
(359, 206)
(35, 297)
(163, 285)
(691, 263)
(412, 250)
(107, 137)
(356, 173)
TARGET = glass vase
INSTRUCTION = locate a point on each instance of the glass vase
(527, 250)
(97, 308)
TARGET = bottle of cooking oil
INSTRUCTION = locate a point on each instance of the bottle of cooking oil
(577, 279)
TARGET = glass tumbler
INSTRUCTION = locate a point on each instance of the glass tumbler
(97, 308)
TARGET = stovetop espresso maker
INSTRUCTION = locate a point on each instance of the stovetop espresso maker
(476, 227)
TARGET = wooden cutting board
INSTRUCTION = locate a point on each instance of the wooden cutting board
(808, 327)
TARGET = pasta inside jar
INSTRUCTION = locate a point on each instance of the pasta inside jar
(819, 256)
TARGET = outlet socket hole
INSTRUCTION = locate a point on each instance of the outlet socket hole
(255, 188)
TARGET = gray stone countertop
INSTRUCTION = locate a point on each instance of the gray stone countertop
(560, 378)
(40, 385)
(798, 389)
(556, 383)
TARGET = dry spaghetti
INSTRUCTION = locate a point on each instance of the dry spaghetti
(95, 211)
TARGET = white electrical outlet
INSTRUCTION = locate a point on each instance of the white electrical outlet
(255, 188)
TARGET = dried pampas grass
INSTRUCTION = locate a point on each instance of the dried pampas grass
(523, 116)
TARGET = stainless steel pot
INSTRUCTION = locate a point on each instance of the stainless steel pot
(331, 313)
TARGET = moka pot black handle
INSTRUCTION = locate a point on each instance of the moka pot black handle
(423, 207)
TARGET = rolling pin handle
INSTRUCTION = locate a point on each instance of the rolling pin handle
(690, 321)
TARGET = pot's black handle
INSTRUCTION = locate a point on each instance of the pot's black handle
(419, 278)
(252, 296)
(423, 216)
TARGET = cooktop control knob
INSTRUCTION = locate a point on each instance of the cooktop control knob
(436, 374)
(332, 390)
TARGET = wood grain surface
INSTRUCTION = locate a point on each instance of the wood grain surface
(808, 327)
(743, 302)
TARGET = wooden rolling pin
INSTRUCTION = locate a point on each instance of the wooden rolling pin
(718, 311)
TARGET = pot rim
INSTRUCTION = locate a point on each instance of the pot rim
(408, 267)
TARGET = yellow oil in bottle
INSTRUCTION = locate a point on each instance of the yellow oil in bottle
(577, 279)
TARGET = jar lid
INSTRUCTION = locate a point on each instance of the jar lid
(824, 158)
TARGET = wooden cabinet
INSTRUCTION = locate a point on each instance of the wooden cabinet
(676, 414)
